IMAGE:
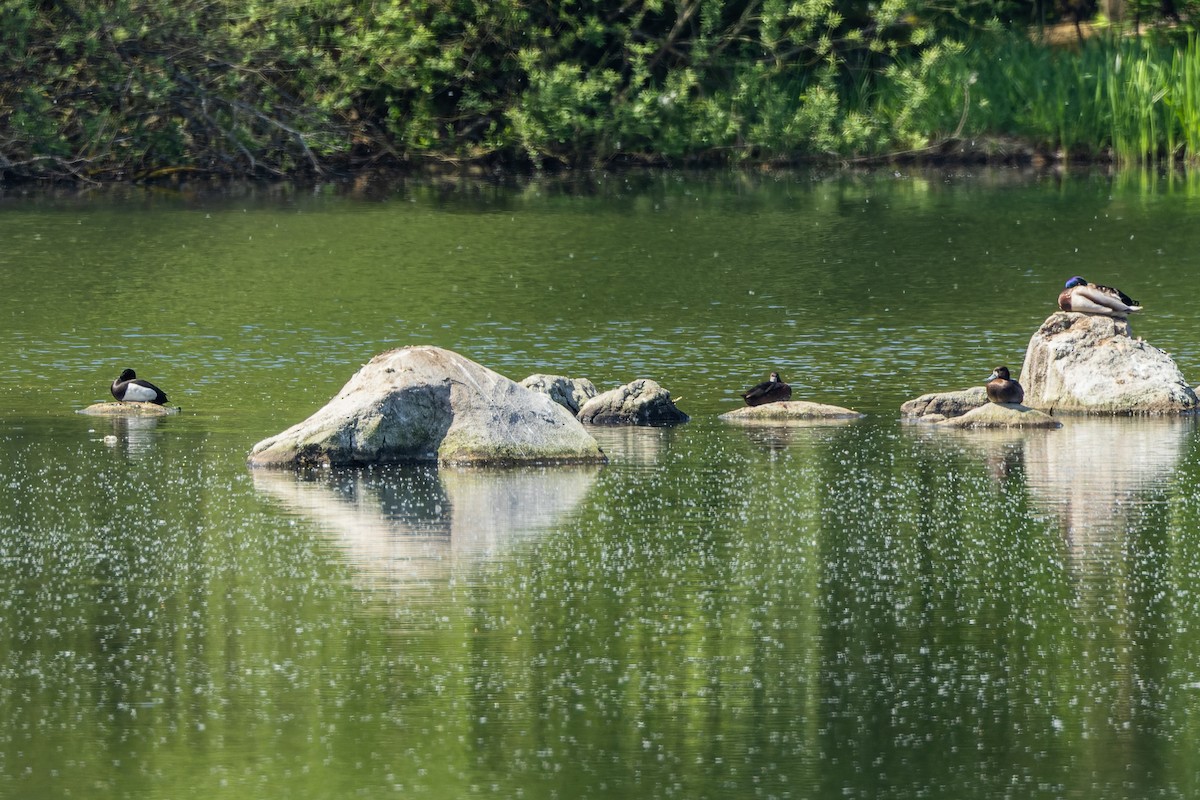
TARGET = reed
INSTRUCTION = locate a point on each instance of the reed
(1136, 98)
(1186, 102)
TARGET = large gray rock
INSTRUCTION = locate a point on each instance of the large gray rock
(642, 402)
(945, 404)
(570, 393)
(789, 411)
(1088, 364)
(430, 404)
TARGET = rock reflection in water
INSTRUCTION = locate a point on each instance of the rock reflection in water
(404, 525)
(1093, 474)
(1001, 450)
(635, 444)
(777, 435)
(134, 435)
(1090, 474)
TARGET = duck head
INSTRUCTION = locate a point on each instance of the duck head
(775, 378)
(1076, 281)
(127, 375)
(1001, 373)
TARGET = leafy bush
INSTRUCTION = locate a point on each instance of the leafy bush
(144, 88)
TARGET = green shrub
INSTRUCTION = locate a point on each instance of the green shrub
(143, 88)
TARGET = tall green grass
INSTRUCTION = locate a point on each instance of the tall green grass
(1136, 98)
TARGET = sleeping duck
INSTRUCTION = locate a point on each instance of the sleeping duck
(1001, 388)
(1092, 298)
(769, 391)
(129, 388)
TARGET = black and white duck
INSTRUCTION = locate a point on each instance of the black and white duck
(129, 388)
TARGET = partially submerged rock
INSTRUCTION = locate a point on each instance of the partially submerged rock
(945, 404)
(430, 404)
(570, 393)
(1002, 415)
(642, 402)
(1083, 363)
(789, 411)
(128, 409)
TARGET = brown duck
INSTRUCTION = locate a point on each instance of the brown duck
(1001, 388)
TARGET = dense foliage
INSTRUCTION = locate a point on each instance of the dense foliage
(144, 88)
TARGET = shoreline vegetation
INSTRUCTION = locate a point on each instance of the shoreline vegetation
(158, 90)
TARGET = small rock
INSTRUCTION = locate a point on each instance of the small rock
(128, 409)
(1002, 415)
(945, 404)
(789, 411)
(642, 402)
(570, 393)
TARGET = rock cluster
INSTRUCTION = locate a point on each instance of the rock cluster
(430, 404)
(1077, 364)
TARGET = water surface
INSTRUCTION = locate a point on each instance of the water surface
(867, 610)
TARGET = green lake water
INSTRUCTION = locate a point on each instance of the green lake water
(864, 610)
